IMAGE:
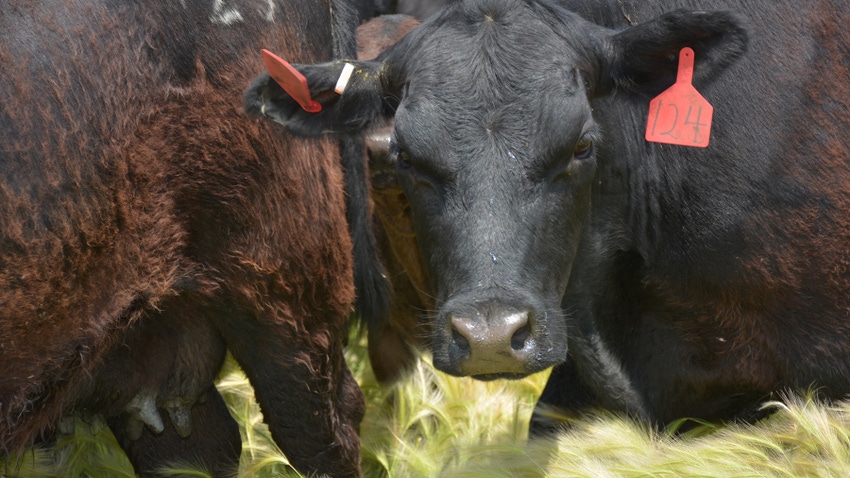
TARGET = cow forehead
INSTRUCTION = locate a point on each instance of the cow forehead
(463, 116)
(460, 137)
(465, 50)
(486, 66)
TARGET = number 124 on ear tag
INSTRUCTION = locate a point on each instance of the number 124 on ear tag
(680, 115)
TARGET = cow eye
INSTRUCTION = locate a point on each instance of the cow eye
(583, 149)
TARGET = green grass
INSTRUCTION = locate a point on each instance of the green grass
(433, 425)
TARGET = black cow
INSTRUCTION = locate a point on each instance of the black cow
(660, 280)
(420, 9)
(147, 225)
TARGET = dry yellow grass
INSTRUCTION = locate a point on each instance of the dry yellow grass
(432, 425)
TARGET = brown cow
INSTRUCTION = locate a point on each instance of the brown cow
(147, 226)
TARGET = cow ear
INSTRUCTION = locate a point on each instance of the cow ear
(646, 56)
(360, 105)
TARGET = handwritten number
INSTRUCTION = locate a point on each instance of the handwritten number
(669, 132)
(696, 124)
(655, 120)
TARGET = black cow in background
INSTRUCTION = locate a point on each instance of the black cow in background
(663, 281)
(420, 9)
(147, 225)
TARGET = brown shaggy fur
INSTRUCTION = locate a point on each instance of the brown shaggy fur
(147, 224)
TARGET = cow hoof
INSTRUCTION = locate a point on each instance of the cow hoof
(181, 419)
(142, 408)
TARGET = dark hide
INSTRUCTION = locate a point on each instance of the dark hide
(391, 344)
(662, 281)
(420, 9)
(147, 226)
(370, 277)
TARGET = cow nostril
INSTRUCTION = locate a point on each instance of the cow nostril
(520, 336)
(460, 341)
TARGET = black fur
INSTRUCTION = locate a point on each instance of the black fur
(667, 281)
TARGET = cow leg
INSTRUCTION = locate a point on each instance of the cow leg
(308, 396)
(389, 354)
(214, 444)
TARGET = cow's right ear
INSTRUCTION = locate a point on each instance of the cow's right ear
(359, 106)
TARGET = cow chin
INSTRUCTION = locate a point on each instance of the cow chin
(489, 377)
(489, 338)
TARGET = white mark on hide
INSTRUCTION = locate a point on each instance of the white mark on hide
(222, 15)
(270, 12)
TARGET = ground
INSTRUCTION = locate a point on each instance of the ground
(433, 425)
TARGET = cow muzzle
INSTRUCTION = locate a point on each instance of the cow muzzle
(489, 340)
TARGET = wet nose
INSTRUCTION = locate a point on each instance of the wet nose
(492, 341)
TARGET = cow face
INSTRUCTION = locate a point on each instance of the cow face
(496, 149)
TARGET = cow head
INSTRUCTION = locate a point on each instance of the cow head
(496, 146)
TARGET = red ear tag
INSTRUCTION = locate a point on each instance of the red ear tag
(291, 80)
(680, 115)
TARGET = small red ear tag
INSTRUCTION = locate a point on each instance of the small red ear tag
(680, 115)
(291, 80)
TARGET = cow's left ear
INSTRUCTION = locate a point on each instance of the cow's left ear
(645, 57)
(360, 105)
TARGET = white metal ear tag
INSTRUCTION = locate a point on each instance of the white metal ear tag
(344, 76)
